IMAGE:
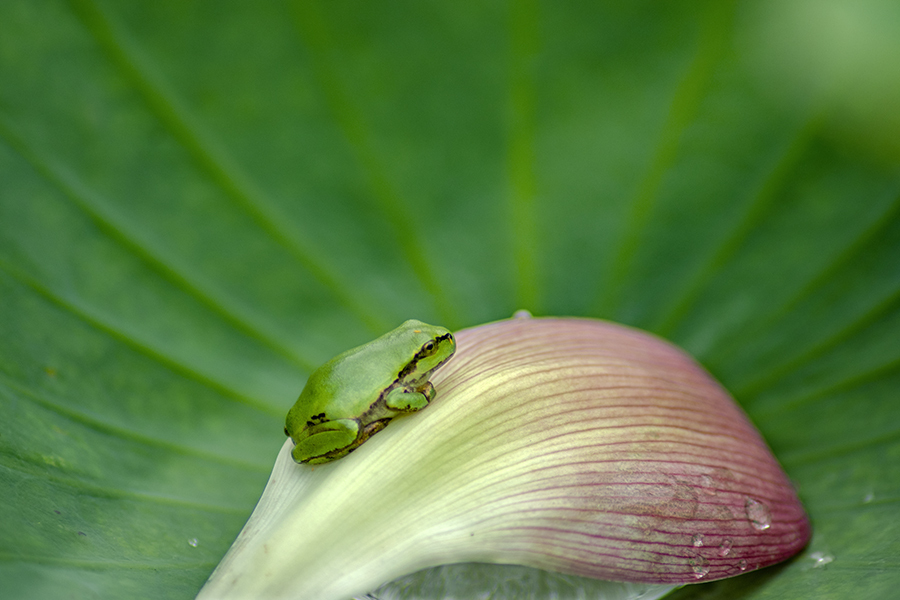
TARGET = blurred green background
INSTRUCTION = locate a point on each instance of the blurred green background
(201, 201)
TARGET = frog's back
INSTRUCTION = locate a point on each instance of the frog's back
(349, 383)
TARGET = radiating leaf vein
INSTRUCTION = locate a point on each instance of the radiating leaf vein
(89, 316)
(883, 308)
(221, 168)
(682, 110)
(130, 237)
(758, 209)
(128, 434)
(313, 30)
(83, 488)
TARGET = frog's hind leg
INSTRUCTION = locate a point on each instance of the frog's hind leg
(370, 430)
(327, 441)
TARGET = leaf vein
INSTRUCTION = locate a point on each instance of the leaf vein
(99, 491)
(313, 30)
(86, 315)
(221, 169)
(130, 238)
(758, 209)
(683, 108)
(128, 434)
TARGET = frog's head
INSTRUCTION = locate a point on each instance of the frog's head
(431, 347)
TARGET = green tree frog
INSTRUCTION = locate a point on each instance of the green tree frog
(356, 394)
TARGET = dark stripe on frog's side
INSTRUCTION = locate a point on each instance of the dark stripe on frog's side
(364, 434)
(380, 404)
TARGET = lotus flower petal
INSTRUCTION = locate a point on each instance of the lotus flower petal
(571, 445)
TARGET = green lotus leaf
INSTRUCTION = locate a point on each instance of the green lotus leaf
(202, 202)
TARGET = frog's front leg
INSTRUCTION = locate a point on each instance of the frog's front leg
(407, 401)
(326, 438)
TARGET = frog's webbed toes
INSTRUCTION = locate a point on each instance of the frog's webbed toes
(428, 391)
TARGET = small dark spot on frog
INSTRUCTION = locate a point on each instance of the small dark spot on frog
(316, 419)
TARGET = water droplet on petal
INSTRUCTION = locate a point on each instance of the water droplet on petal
(758, 513)
(522, 314)
(725, 548)
(742, 565)
(700, 566)
(697, 540)
(193, 542)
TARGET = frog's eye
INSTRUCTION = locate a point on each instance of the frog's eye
(429, 348)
